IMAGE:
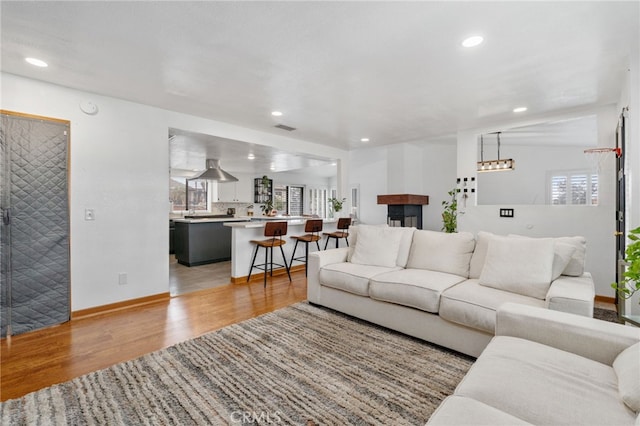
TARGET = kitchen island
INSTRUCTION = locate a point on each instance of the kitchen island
(200, 241)
(242, 249)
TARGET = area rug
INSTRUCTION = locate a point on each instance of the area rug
(298, 365)
(606, 315)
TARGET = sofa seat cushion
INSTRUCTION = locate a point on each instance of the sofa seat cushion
(416, 288)
(457, 410)
(545, 385)
(351, 277)
(475, 305)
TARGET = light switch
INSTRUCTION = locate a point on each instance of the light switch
(506, 212)
(89, 214)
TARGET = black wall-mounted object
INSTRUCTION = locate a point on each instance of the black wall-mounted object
(506, 212)
(262, 191)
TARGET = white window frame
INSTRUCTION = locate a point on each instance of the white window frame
(591, 179)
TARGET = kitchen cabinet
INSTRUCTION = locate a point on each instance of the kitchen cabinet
(240, 191)
(202, 241)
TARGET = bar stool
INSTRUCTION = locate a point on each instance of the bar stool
(274, 230)
(312, 227)
(342, 232)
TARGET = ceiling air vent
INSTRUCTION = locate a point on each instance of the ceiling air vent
(283, 127)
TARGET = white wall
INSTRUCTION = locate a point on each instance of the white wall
(120, 167)
(368, 169)
(438, 177)
(527, 184)
(425, 169)
(596, 223)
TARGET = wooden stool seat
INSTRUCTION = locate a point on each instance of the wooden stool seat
(308, 238)
(275, 230)
(313, 227)
(342, 232)
(271, 242)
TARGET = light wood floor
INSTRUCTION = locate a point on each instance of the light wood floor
(185, 279)
(34, 360)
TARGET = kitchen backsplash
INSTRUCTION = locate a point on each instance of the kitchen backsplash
(241, 208)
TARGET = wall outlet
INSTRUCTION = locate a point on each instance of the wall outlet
(89, 214)
(122, 278)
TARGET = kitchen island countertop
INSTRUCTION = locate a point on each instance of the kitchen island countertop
(211, 220)
(291, 220)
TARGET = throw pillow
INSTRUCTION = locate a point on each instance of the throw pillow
(353, 238)
(627, 368)
(479, 254)
(519, 265)
(562, 254)
(405, 245)
(376, 246)
(442, 252)
(575, 267)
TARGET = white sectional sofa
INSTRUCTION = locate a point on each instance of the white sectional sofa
(549, 368)
(446, 288)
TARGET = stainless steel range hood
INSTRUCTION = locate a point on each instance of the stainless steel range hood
(214, 172)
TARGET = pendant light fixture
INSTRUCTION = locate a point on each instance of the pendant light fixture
(499, 165)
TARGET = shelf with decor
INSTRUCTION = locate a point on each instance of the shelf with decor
(262, 190)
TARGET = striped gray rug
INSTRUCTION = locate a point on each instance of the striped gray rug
(298, 365)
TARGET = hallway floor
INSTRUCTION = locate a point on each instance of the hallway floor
(186, 279)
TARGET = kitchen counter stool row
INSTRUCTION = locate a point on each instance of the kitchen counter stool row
(274, 231)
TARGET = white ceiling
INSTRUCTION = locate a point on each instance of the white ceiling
(579, 131)
(189, 152)
(339, 71)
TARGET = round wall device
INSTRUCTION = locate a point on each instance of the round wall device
(89, 107)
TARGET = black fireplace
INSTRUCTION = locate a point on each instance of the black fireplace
(404, 215)
(404, 209)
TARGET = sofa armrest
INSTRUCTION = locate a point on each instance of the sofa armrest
(316, 261)
(588, 337)
(572, 294)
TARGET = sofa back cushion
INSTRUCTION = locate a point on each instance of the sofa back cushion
(562, 254)
(519, 265)
(627, 368)
(574, 265)
(376, 246)
(442, 252)
(479, 254)
(403, 250)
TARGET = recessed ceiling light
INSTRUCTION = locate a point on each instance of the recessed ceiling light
(520, 109)
(251, 157)
(364, 140)
(276, 113)
(472, 41)
(37, 62)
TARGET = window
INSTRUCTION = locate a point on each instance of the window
(288, 199)
(280, 199)
(318, 201)
(188, 194)
(573, 188)
(296, 197)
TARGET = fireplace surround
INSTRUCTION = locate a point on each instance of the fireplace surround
(404, 210)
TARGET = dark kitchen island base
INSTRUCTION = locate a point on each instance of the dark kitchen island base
(201, 242)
